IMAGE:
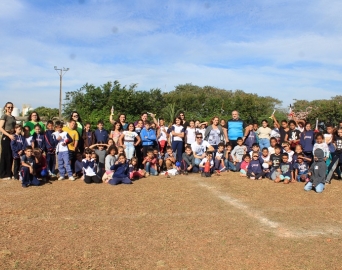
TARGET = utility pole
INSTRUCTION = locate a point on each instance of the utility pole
(60, 73)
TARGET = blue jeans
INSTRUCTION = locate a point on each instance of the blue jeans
(63, 163)
(28, 179)
(229, 165)
(129, 150)
(149, 169)
(264, 143)
(178, 146)
(319, 188)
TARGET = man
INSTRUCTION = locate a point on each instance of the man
(236, 128)
(199, 148)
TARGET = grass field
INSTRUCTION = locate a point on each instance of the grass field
(186, 222)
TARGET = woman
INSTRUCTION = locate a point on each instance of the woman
(177, 132)
(7, 124)
(214, 134)
(121, 119)
(32, 120)
(79, 128)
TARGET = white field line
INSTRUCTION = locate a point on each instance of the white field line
(279, 229)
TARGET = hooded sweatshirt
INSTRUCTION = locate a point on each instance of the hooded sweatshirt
(318, 168)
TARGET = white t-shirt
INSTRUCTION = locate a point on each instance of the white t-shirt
(190, 135)
(205, 161)
(129, 136)
(64, 136)
(177, 129)
(264, 133)
(29, 140)
(201, 130)
(162, 136)
(199, 149)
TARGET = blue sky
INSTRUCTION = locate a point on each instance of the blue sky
(284, 49)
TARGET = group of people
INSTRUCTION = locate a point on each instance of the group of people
(288, 151)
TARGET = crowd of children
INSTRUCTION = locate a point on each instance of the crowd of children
(287, 152)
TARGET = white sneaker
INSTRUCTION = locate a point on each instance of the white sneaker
(71, 178)
(60, 178)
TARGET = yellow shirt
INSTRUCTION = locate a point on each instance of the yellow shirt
(74, 136)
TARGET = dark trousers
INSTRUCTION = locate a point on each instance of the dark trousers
(6, 157)
(72, 160)
(145, 148)
(139, 155)
(119, 180)
(28, 179)
(92, 179)
(16, 167)
(51, 162)
(178, 146)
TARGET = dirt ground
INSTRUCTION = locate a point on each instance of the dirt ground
(186, 222)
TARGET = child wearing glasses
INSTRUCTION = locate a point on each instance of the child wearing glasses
(255, 169)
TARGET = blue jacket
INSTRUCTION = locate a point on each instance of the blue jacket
(39, 141)
(50, 144)
(121, 170)
(307, 140)
(254, 167)
(101, 135)
(19, 143)
(148, 137)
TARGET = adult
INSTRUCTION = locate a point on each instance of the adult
(121, 119)
(79, 128)
(236, 127)
(7, 123)
(177, 132)
(32, 120)
(184, 123)
(214, 133)
(199, 148)
(144, 118)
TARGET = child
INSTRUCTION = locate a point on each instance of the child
(116, 133)
(150, 163)
(101, 153)
(148, 138)
(101, 135)
(73, 146)
(320, 144)
(121, 172)
(238, 153)
(293, 135)
(188, 161)
(202, 128)
(28, 137)
(109, 162)
(121, 150)
(228, 159)
(27, 168)
(219, 158)
(274, 163)
(206, 165)
(50, 149)
(38, 139)
(273, 142)
(88, 136)
(317, 172)
(287, 150)
(134, 172)
(264, 161)
(190, 133)
(41, 166)
(17, 146)
(89, 168)
(62, 139)
(79, 166)
(285, 169)
(255, 148)
(264, 134)
(244, 165)
(254, 169)
(299, 151)
(251, 138)
(337, 155)
(129, 139)
(307, 140)
(301, 169)
(162, 136)
(169, 159)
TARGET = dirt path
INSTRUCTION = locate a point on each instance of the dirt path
(186, 222)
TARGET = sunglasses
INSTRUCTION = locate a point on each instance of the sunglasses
(255, 156)
(199, 137)
(9, 107)
(75, 115)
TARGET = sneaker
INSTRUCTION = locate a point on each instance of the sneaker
(186, 173)
(252, 178)
(147, 174)
(61, 178)
(71, 178)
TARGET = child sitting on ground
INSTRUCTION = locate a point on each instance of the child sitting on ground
(134, 172)
(188, 161)
(301, 169)
(109, 162)
(121, 172)
(27, 168)
(90, 168)
(244, 165)
(285, 170)
(219, 159)
(228, 158)
(150, 163)
(238, 153)
(317, 173)
(207, 164)
(254, 169)
(275, 160)
(169, 159)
